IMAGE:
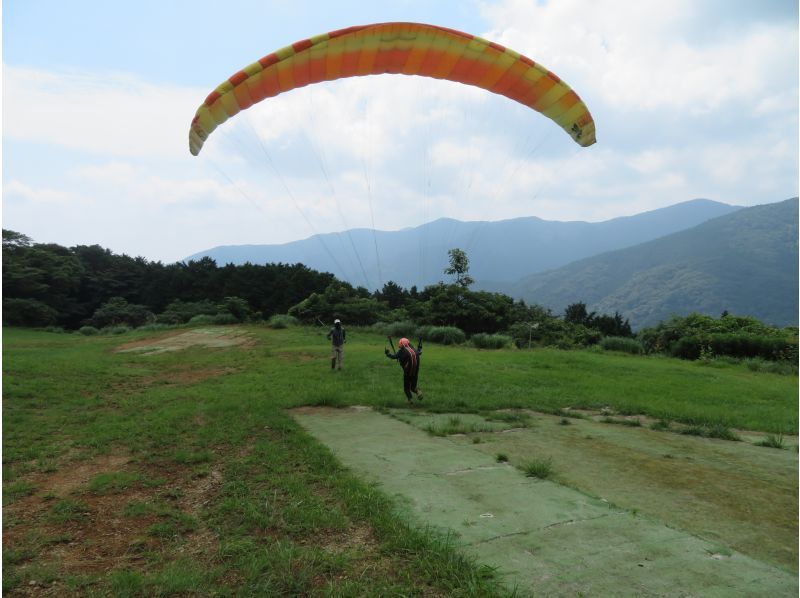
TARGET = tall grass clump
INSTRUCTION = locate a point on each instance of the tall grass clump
(88, 330)
(773, 441)
(538, 468)
(622, 344)
(443, 335)
(280, 321)
(490, 341)
(115, 330)
(784, 368)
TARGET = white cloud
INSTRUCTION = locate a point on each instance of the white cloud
(16, 190)
(636, 55)
(107, 113)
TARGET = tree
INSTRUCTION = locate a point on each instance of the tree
(459, 266)
(393, 294)
(118, 311)
(576, 314)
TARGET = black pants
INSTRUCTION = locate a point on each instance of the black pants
(410, 384)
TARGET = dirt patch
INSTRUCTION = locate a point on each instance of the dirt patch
(186, 375)
(100, 533)
(212, 338)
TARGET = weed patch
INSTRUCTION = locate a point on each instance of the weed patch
(773, 441)
(541, 468)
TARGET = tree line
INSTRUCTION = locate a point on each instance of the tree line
(47, 285)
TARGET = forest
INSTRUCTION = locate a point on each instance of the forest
(90, 289)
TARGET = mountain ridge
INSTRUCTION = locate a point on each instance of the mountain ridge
(501, 251)
(745, 262)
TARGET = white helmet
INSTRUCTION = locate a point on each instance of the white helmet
(337, 321)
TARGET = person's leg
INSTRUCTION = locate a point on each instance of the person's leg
(415, 388)
(333, 357)
(339, 357)
(407, 387)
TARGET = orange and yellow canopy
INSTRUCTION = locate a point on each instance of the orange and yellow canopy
(397, 48)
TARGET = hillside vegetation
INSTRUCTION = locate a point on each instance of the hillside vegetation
(745, 263)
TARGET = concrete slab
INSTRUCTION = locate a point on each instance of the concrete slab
(548, 538)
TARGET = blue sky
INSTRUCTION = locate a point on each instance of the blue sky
(692, 98)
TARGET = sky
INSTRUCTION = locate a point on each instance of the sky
(691, 99)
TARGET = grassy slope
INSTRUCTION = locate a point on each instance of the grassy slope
(214, 468)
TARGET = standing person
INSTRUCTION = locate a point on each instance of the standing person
(337, 336)
(409, 361)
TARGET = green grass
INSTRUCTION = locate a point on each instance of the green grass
(773, 441)
(541, 467)
(219, 460)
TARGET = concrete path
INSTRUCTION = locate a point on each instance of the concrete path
(548, 539)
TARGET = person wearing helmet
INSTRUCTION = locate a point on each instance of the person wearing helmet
(337, 336)
(408, 357)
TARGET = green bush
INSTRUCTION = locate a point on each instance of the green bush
(443, 335)
(180, 312)
(399, 329)
(491, 341)
(740, 345)
(88, 330)
(224, 318)
(115, 330)
(236, 307)
(785, 368)
(621, 343)
(279, 321)
(27, 312)
(117, 311)
(215, 320)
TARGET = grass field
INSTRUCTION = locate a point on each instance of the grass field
(173, 472)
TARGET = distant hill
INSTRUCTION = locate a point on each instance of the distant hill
(745, 262)
(500, 252)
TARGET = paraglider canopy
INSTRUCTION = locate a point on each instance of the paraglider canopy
(396, 48)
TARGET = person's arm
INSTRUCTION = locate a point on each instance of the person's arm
(328, 336)
(389, 354)
(419, 347)
(344, 336)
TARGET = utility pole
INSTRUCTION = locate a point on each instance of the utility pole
(533, 326)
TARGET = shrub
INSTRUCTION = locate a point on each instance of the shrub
(444, 335)
(733, 344)
(115, 330)
(279, 321)
(180, 312)
(491, 341)
(399, 329)
(623, 344)
(785, 368)
(202, 320)
(88, 330)
(27, 312)
(238, 308)
(117, 311)
(224, 318)
(217, 319)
